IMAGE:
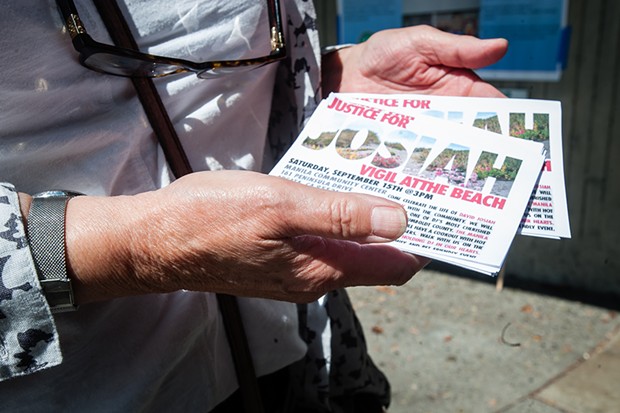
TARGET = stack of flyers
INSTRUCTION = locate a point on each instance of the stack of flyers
(465, 189)
(538, 120)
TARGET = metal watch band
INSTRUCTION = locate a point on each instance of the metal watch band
(46, 235)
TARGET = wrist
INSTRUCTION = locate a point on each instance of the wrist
(97, 248)
(333, 63)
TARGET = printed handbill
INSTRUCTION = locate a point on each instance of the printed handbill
(530, 119)
(465, 189)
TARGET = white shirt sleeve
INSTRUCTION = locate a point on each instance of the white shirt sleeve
(28, 337)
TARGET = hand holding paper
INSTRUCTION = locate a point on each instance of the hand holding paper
(417, 59)
(465, 189)
(278, 239)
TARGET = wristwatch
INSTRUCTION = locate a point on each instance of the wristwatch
(46, 236)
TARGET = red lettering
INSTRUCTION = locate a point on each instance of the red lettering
(417, 104)
(367, 169)
(477, 198)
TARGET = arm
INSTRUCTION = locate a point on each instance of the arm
(417, 59)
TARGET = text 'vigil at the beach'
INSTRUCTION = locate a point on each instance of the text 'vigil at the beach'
(369, 147)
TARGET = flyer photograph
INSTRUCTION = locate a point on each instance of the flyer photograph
(465, 189)
(528, 119)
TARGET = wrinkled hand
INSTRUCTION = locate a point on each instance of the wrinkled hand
(240, 233)
(417, 59)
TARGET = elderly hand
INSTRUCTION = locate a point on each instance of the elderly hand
(417, 59)
(240, 233)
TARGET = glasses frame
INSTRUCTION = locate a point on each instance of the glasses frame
(86, 46)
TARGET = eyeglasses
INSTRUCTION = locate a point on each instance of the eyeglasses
(130, 63)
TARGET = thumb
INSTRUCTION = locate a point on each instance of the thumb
(460, 51)
(350, 216)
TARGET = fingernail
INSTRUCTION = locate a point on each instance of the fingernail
(389, 223)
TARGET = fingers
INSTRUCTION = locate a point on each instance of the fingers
(276, 208)
(280, 208)
(458, 51)
(420, 59)
(356, 217)
(333, 264)
(464, 82)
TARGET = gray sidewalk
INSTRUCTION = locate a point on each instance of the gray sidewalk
(452, 344)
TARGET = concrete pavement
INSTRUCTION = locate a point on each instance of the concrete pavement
(457, 345)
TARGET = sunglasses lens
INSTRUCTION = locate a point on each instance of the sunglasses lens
(128, 66)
